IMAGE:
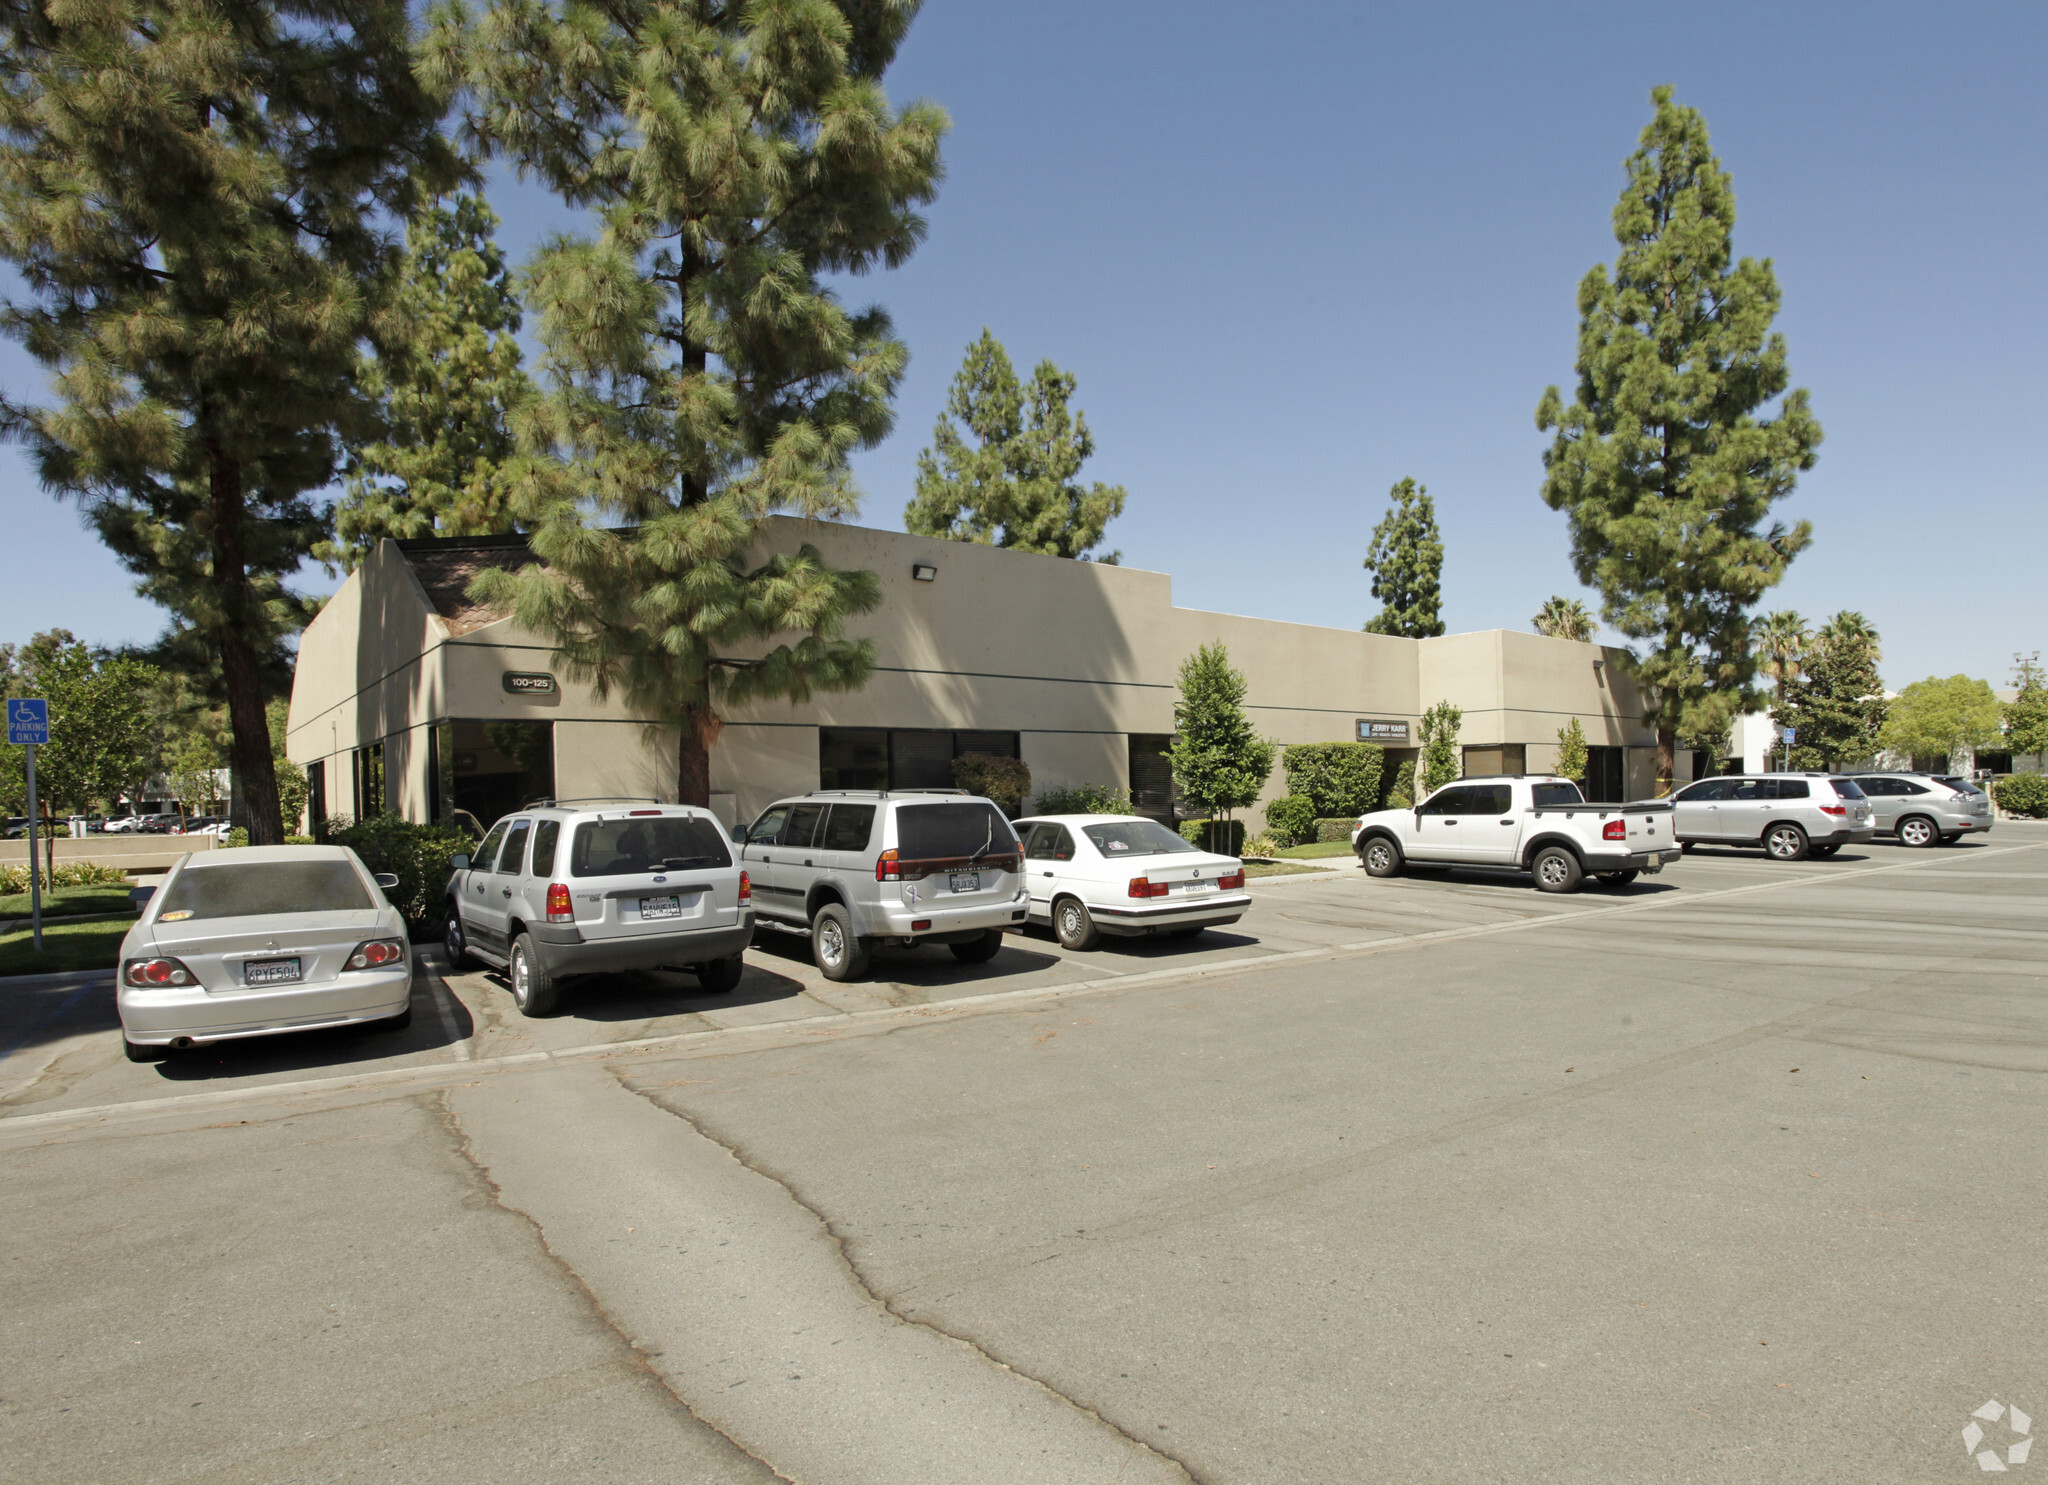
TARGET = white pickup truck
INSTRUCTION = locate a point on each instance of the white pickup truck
(1540, 824)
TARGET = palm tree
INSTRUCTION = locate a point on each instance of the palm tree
(1781, 641)
(1850, 627)
(1564, 618)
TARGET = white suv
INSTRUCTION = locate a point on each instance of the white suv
(582, 887)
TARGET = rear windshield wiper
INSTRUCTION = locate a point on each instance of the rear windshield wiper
(684, 863)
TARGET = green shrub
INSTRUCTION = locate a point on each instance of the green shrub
(1337, 829)
(1082, 799)
(1340, 778)
(1402, 795)
(14, 879)
(1261, 846)
(1005, 780)
(1292, 819)
(1210, 835)
(2022, 794)
(416, 854)
(299, 840)
(239, 836)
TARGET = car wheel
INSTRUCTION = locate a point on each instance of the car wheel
(978, 950)
(1822, 851)
(534, 990)
(1918, 831)
(1380, 858)
(1556, 870)
(137, 1052)
(838, 952)
(1785, 842)
(1073, 925)
(453, 945)
(1617, 878)
(721, 975)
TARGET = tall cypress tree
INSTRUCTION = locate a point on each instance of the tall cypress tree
(1661, 459)
(191, 191)
(1406, 560)
(701, 374)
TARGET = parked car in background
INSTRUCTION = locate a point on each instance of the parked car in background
(1540, 824)
(851, 867)
(1925, 809)
(1126, 876)
(16, 827)
(556, 891)
(258, 942)
(1791, 815)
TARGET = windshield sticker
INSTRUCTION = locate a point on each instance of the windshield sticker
(1118, 845)
(177, 916)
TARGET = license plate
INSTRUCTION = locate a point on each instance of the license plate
(661, 907)
(271, 972)
(964, 881)
(1189, 889)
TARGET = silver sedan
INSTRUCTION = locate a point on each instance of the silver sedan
(261, 940)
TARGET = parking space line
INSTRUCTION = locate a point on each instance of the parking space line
(440, 992)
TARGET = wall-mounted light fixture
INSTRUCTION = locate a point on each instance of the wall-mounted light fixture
(1599, 672)
(924, 572)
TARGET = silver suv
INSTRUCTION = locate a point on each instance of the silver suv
(1925, 809)
(580, 887)
(854, 866)
(1791, 815)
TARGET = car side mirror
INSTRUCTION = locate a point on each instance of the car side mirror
(459, 861)
(387, 880)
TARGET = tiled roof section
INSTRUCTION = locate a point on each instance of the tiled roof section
(445, 566)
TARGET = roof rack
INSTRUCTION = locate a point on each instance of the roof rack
(535, 804)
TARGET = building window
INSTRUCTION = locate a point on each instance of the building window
(369, 781)
(485, 770)
(316, 792)
(1507, 758)
(900, 757)
(1606, 775)
(1151, 773)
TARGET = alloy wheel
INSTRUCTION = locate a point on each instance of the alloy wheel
(1553, 870)
(831, 942)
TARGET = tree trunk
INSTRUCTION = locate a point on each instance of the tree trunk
(1667, 760)
(249, 744)
(701, 727)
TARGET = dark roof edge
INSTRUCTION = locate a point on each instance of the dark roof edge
(451, 543)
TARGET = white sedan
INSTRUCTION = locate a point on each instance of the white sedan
(1125, 875)
(261, 940)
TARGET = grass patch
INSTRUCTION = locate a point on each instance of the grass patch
(65, 946)
(1316, 850)
(1274, 869)
(61, 902)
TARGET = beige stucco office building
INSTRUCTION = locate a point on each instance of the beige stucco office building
(411, 697)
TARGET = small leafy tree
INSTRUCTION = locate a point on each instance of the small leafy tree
(1440, 758)
(1006, 781)
(1402, 795)
(1564, 618)
(1406, 560)
(192, 770)
(1946, 717)
(1220, 763)
(1008, 475)
(2026, 715)
(1571, 751)
(1291, 819)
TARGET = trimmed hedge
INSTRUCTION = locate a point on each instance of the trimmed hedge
(1338, 829)
(416, 854)
(1199, 832)
(1082, 799)
(2022, 794)
(1339, 778)
(1292, 818)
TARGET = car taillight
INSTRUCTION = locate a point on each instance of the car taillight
(1231, 881)
(886, 869)
(1141, 887)
(559, 908)
(1834, 809)
(375, 954)
(1614, 830)
(746, 889)
(153, 973)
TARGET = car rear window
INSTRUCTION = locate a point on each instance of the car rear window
(1121, 838)
(263, 888)
(620, 848)
(1847, 789)
(1961, 786)
(928, 832)
(1557, 796)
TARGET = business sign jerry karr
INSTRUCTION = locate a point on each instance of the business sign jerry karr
(1383, 732)
(529, 683)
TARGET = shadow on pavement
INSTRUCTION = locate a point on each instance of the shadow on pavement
(924, 966)
(33, 1015)
(647, 995)
(334, 1048)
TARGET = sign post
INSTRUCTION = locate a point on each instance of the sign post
(1791, 736)
(28, 725)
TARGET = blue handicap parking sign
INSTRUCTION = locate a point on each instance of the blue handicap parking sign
(28, 720)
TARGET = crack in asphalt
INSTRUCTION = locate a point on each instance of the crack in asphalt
(451, 1125)
(882, 1301)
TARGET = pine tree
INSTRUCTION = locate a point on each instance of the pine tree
(1571, 751)
(1440, 760)
(1834, 699)
(701, 374)
(2026, 715)
(1218, 760)
(445, 387)
(191, 191)
(1661, 460)
(1007, 475)
(1563, 618)
(1406, 560)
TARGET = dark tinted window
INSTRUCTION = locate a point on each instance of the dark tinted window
(544, 838)
(802, 828)
(1491, 799)
(1874, 788)
(515, 845)
(1448, 802)
(1847, 789)
(1961, 786)
(769, 826)
(1791, 788)
(848, 827)
(266, 887)
(926, 832)
(1748, 789)
(1907, 786)
(1699, 793)
(617, 848)
(1557, 796)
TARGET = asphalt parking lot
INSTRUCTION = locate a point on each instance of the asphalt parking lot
(1727, 1175)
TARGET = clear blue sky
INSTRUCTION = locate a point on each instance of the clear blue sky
(1296, 251)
